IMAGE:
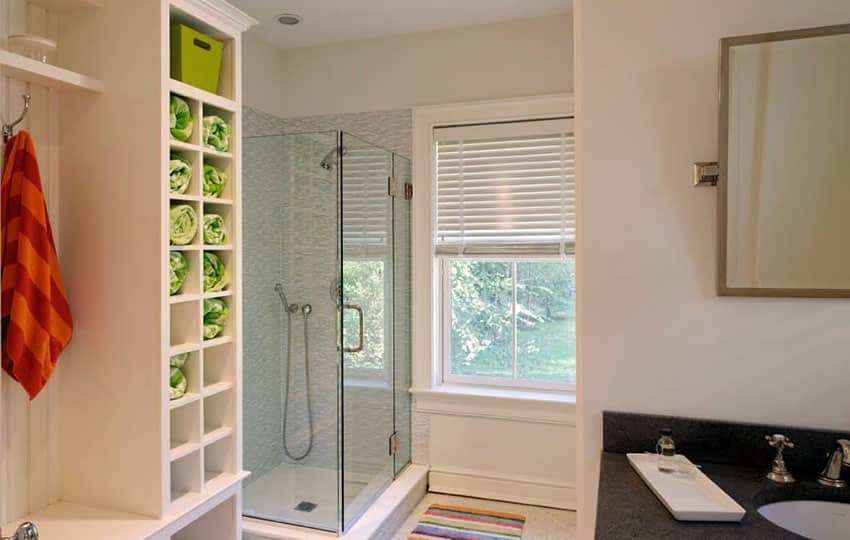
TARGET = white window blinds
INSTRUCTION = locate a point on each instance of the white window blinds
(365, 205)
(506, 188)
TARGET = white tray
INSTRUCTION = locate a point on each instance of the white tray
(690, 495)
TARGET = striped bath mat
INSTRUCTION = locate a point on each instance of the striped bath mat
(458, 523)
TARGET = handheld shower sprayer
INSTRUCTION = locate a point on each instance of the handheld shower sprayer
(291, 309)
(286, 358)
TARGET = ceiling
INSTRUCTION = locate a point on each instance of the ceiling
(331, 21)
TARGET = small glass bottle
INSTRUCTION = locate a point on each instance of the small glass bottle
(666, 450)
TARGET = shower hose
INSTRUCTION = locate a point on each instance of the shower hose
(284, 389)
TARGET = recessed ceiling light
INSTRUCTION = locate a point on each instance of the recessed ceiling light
(288, 19)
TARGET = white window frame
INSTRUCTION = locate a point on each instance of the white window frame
(427, 290)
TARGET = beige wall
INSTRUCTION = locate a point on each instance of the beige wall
(653, 335)
(512, 59)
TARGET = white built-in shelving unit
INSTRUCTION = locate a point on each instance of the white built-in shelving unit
(203, 447)
(132, 463)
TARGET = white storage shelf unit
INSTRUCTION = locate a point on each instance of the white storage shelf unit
(203, 423)
(132, 463)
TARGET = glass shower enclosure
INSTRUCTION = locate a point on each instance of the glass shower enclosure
(326, 360)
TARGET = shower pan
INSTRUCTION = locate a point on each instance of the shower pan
(326, 359)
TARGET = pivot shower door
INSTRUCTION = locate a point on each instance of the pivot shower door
(366, 319)
(291, 358)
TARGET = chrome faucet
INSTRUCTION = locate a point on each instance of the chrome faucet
(838, 458)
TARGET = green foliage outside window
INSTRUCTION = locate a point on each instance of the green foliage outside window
(482, 334)
(363, 284)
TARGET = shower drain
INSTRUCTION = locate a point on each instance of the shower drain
(306, 506)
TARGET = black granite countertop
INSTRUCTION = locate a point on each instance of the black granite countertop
(628, 509)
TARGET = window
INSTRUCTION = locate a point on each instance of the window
(505, 235)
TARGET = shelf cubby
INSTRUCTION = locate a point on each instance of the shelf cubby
(218, 415)
(225, 165)
(226, 92)
(218, 366)
(193, 370)
(191, 288)
(193, 193)
(218, 458)
(184, 428)
(197, 124)
(228, 117)
(226, 212)
(225, 254)
(197, 239)
(227, 331)
(185, 325)
(186, 475)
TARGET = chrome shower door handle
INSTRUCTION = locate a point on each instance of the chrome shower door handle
(361, 341)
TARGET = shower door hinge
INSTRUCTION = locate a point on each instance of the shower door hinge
(408, 191)
(392, 186)
(394, 443)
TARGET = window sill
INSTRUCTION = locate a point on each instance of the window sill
(507, 404)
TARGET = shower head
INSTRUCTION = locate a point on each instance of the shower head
(306, 310)
(327, 162)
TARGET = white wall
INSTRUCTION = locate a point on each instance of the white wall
(512, 59)
(29, 440)
(653, 335)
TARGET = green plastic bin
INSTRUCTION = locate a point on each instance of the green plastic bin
(195, 58)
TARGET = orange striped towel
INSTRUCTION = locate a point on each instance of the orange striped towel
(36, 319)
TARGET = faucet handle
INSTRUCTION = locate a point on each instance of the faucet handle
(779, 441)
(778, 472)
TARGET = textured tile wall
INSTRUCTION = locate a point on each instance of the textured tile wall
(391, 130)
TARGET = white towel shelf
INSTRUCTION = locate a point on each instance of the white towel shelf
(26, 69)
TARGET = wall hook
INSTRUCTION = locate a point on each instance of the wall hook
(8, 129)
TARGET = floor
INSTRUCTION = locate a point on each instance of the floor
(542, 523)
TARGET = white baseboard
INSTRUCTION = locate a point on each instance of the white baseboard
(500, 487)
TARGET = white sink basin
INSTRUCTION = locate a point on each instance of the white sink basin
(820, 520)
